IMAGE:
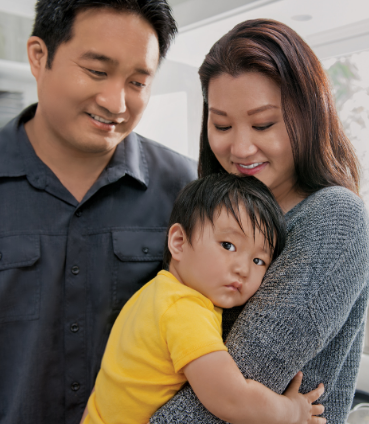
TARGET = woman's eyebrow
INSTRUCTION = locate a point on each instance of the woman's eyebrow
(217, 112)
(261, 109)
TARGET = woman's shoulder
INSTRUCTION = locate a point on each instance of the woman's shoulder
(333, 217)
(329, 205)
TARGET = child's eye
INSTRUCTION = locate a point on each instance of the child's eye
(228, 246)
(258, 261)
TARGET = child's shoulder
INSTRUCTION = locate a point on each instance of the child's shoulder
(167, 291)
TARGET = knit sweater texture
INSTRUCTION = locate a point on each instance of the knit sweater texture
(309, 313)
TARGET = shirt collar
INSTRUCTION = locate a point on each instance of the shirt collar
(129, 158)
(16, 160)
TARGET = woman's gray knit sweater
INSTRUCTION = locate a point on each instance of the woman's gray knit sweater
(309, 313)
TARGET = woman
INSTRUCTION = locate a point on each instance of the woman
(268, 112)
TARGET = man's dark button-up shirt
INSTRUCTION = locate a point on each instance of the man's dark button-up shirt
(67, 268)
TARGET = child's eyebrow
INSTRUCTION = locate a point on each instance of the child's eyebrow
(230, 230)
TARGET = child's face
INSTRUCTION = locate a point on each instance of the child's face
(224, 263)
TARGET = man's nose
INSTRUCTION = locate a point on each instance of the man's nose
(112, 98)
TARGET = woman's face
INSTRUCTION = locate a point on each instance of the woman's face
(246, 130)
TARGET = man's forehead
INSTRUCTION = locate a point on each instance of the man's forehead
(95, 26)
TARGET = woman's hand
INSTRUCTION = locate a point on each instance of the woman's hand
(306, 413)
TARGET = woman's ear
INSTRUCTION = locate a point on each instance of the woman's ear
(37, 55)
(176, 241)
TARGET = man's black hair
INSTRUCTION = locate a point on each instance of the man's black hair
(55, 18)
(202, 198)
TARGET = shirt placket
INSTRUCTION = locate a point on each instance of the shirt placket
(75, 319)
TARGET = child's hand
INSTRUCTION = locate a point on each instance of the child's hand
(305, 411)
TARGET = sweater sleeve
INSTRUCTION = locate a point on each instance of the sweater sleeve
(307, 296)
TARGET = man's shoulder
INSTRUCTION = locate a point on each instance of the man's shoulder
(10, 163)
(167, 161)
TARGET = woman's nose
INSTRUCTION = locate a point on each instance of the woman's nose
(243, 145)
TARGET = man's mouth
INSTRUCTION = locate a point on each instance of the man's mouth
(100, 119)
(253, 165)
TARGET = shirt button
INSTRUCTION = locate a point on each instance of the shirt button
(74, 327)
(145, 250)
(75, 270)
(79, 213)
(75, 386)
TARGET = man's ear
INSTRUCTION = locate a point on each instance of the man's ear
(176, 241)
(37, 55)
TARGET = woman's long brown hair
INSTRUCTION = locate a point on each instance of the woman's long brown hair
(323, 155)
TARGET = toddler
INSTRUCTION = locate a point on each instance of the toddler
(224, 232)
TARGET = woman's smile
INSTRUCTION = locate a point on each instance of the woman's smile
(251, 169)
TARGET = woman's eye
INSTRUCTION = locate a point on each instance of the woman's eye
(262, 127)
(97, 73)
(222, 128)
(258, 261)
(228, 246)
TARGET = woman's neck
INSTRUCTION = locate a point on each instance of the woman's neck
(289, 198)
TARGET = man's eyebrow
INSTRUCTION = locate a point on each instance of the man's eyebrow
(106, 59)
(100, 57)
(217, 111)
(261, 109)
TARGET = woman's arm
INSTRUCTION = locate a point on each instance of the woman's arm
(223, 390)
(308, 314)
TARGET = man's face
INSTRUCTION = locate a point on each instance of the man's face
(99, 82)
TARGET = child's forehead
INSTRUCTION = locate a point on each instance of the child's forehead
(224, 224)
(223, 220)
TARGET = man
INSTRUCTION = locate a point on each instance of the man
(84, 200)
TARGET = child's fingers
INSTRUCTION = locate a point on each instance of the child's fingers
(315, 394)
(317, 420)
(317, 409)
(295, 383)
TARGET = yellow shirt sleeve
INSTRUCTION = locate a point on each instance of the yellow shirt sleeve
(191, 330)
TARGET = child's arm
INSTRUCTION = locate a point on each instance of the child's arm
(85, 412)
(222, 389)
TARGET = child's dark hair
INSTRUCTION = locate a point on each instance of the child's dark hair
(202, 198)
(55, 18)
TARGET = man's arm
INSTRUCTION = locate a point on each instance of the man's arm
(222, 389)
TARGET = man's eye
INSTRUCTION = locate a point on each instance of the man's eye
(228, 246)
(138, 84)
(258, 261)
(262, 127)
(97, 73)
(222, 128)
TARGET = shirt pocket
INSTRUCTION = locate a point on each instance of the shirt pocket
(20, 284)
(138, 258)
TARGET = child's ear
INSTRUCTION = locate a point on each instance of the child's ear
(176, 241)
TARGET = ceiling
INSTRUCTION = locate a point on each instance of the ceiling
(202, 22)
(320, 22)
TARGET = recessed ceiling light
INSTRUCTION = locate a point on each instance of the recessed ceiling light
(302, 18)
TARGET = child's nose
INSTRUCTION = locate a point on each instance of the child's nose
(242, 268)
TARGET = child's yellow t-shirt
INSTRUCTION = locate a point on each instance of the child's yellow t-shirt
(162, 328)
